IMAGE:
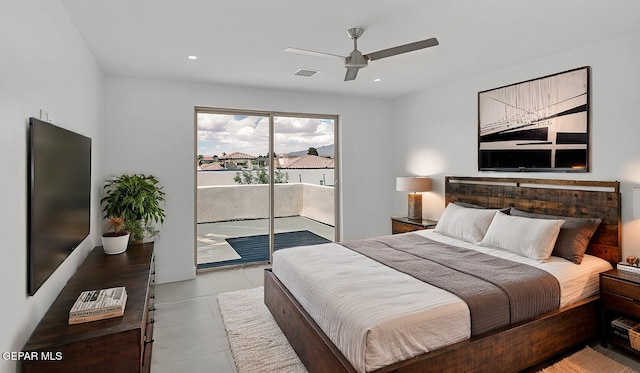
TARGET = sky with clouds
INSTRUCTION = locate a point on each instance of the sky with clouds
(218, 133)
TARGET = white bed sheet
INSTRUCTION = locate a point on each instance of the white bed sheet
(377, 316)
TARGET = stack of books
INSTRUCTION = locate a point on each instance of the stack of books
(621, 326)
(96, 305)
(622, 266)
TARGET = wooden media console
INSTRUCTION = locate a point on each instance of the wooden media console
(121, 344)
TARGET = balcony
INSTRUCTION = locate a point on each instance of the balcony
(231, 211)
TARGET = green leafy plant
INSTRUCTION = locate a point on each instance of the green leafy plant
(137, 199)
(260, 176)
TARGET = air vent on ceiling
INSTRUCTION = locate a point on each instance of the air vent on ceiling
(306, 72)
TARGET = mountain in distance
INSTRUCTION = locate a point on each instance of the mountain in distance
(323, 151)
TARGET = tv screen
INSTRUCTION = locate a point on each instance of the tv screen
(59, 198)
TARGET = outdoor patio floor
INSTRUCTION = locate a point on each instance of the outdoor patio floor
(212, 246)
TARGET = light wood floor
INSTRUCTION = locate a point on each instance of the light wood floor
(189, 334)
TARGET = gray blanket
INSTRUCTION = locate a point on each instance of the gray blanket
(499, 292)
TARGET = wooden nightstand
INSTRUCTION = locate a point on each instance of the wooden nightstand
(619, 296)
(402, 224)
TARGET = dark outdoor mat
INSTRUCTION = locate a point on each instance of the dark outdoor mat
(256, 248)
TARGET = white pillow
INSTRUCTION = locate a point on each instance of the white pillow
(467, 224)
(533, 238)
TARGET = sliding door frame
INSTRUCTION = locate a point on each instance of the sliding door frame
(272, 115)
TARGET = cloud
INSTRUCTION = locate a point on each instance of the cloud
(211, 123)
(218, 133)
(300, 126)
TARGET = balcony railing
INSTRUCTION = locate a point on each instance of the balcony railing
(228, 211)
(242, 202)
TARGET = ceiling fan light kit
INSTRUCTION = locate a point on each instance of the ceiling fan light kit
(356, 60)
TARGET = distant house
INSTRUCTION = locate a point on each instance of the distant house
(305, 162)
(215, 166)
(263, 161)
(207, 160)
(237, 160)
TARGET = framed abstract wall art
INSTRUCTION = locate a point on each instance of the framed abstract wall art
(537, 125)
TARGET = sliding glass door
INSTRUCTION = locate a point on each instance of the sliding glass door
(304, 174)
(265, 181)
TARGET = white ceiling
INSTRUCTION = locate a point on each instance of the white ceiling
(242, 42)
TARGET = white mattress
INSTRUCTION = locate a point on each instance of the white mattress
(377, 316)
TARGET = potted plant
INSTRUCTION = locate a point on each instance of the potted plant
(116, 240)
(138, 199)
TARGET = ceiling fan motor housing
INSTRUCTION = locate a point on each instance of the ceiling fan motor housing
(355, 59)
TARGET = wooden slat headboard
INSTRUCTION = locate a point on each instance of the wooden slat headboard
(597, 199)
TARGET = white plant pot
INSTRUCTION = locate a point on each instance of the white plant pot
(115, 245)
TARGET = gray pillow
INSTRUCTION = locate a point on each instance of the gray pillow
(474, 206)
(469, 205)
(574, 235)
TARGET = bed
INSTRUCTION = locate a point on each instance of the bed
(513, 347)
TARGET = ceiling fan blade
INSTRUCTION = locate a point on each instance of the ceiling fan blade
(352, 72)
(402, 49)
(313, 53)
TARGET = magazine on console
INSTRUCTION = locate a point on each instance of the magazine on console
(100, 302)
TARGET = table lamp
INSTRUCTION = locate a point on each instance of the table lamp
(416, 185)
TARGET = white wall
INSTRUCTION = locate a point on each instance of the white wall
(318, 203)
(150, 129)
(44, 65)
(246, 202)
(443, 125)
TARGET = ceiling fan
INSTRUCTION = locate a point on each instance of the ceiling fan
(356, 60)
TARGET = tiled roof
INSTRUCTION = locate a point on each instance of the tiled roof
(308, 161)
(237, 155)
(215, 166)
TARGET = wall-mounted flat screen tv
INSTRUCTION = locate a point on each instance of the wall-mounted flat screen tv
(59, 198)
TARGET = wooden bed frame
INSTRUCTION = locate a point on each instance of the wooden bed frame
(507, 350)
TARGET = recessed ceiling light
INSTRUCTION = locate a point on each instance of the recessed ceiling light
(377, 80)
(192, 57)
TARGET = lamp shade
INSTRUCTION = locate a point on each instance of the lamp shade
(413, 184)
